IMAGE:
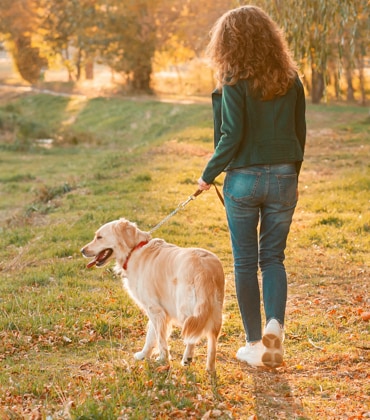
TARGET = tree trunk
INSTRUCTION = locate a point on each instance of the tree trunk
(336, 86)
(179, 78)
(78, 64)
(89, 69)
(317, 90)
(70, 77)
(361, 66)
(350, 90)
(141, 77)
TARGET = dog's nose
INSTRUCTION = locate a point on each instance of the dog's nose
(82, 250)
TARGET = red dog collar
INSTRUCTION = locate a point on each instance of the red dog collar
(138, 246)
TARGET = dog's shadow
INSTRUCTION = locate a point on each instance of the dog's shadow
(268, 390)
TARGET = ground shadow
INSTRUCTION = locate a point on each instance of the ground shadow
(274, 398)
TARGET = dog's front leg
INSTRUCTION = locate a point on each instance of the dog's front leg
(150, 343)
(188, 355)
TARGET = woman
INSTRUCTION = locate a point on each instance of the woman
(260, 133)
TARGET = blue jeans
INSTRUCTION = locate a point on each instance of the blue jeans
(264, 196)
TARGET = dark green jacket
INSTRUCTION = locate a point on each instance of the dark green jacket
(249, 131)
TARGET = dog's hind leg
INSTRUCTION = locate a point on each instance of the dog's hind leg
(211, 351)
(160, 322)
(188, 354)
(150, 343)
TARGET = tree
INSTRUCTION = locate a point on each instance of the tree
(18, 22)
(354, 51)
(136, 30)
(319, 33)
(69, 29)
(128, 39)
(192, 23)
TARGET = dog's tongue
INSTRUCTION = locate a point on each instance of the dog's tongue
(92, 262)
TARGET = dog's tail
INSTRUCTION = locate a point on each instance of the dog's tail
(206, 319)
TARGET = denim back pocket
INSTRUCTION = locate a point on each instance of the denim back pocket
(287, 189)
(241, 184)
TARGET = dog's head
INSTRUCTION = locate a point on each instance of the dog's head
(113, 240)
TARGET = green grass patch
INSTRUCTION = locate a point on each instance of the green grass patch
(68, 334)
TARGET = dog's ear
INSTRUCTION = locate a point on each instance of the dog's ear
(130, 233)
(126, 231)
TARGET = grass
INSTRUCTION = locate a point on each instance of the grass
(68, 334)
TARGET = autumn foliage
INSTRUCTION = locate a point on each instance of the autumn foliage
(329, 38)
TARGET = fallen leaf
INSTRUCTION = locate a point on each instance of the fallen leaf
(365, 316)
(299, 367)
(163, 368)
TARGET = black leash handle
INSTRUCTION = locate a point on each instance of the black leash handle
(219, 195)
(197, 192)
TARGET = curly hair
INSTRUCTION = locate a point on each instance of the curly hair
(247, 44)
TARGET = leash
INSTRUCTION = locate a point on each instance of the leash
(219, 195)
(183, 205)
(178, 208)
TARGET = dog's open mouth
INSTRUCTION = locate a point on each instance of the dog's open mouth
(101, 258)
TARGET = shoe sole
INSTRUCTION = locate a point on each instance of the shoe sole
(273, 356)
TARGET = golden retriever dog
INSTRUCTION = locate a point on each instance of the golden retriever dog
(174, 286)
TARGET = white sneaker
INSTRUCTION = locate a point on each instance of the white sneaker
(272, 339)
(251, 353)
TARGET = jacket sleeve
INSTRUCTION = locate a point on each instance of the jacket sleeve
(300, 120)
(232, 129)
(217, 118)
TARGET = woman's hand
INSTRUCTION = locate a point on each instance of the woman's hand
(203, 185)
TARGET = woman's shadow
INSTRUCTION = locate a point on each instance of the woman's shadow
(274, 398)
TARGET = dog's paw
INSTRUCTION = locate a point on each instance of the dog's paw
(140, 355)
(163, 358)
(186, 361)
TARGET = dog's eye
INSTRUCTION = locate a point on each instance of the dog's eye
(99, 237)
